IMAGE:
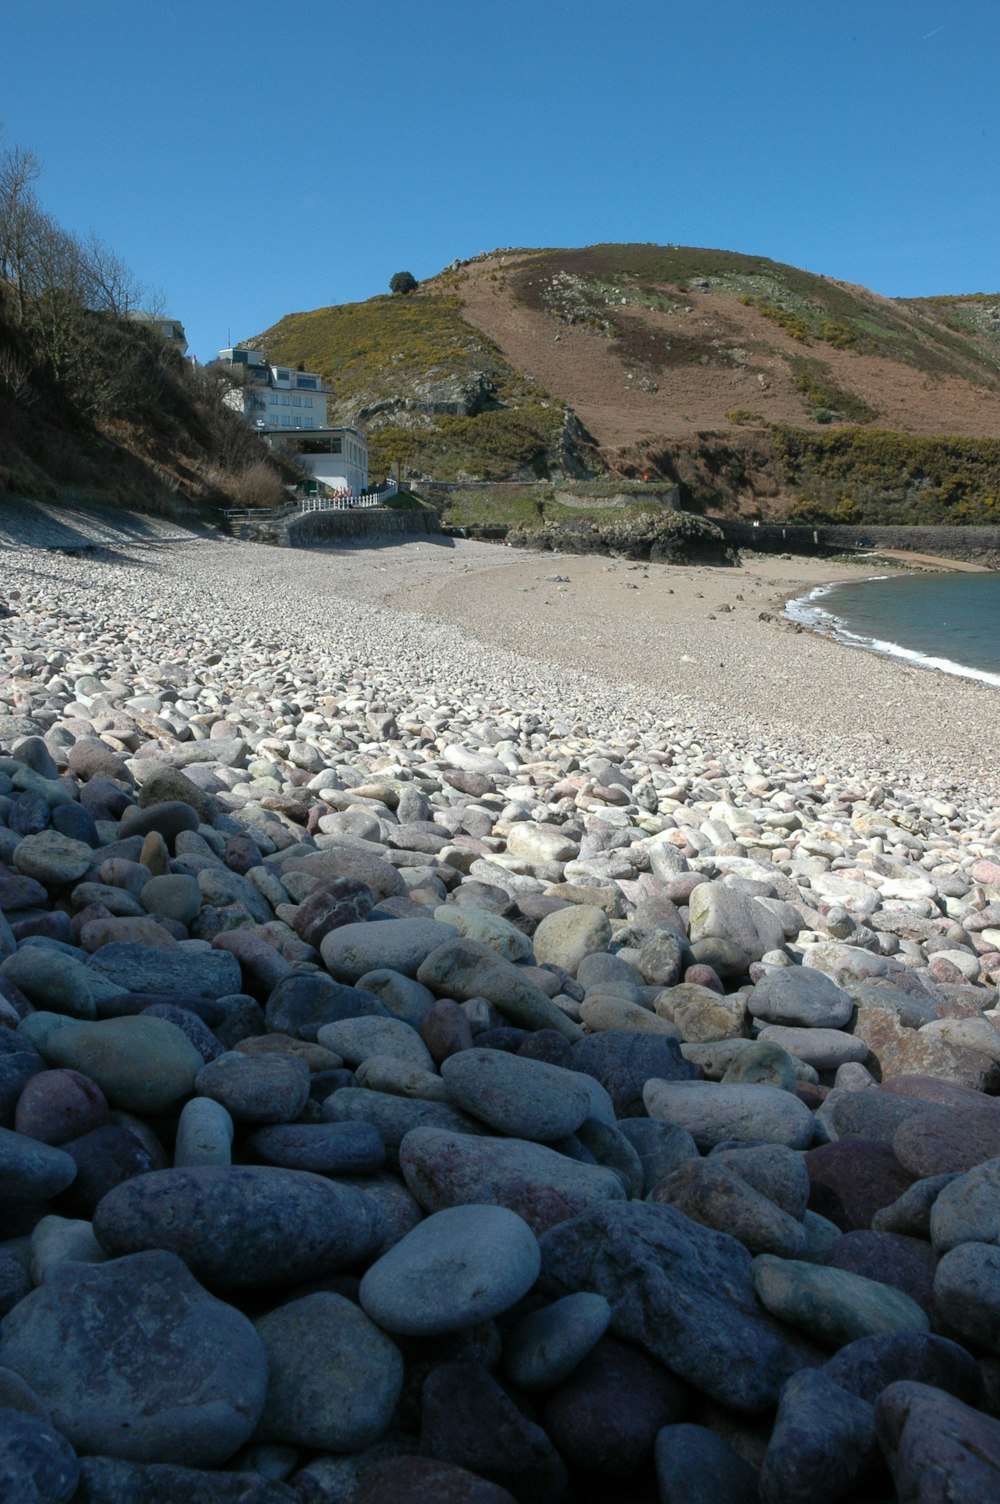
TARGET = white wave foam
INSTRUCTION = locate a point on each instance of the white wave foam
(805, 609)
(808, 613)
(926, 660)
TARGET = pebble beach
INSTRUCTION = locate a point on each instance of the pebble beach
(487, 1025)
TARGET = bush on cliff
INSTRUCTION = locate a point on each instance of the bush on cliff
(868, 475)
(91, 398)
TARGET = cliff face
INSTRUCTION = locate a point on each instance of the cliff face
(689, 365)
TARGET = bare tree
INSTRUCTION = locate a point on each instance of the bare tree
(70, 301)
(15, 377)
(113, 287)
(57, 280)
(67, 295)
(236, 444)
(19, 211)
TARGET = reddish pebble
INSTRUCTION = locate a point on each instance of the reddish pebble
(445, 1030)
(705, 976)
(56, 1106)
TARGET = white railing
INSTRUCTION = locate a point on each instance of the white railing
(349, 503)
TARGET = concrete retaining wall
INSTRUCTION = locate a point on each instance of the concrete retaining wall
(980, 545)
(370, 522)
(656, 493)
(650, 496)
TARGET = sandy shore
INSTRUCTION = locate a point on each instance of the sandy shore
(666, 629)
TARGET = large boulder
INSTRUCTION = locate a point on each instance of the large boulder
(242, 1225)
(134, 1359)
(681, 1292)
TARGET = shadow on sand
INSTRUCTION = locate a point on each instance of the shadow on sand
(91, 531)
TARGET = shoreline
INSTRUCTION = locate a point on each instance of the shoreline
(690, 651)
(805, 612)
(420, 916)
(712, 639)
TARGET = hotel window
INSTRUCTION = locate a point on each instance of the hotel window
(285, 401)
(296, 401)
(307, 402)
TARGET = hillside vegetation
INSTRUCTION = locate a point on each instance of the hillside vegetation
(594, 285)
(757, 387)
(434, 393)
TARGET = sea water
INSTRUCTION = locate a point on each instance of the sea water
(948, 621)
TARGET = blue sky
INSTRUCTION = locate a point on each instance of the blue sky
(251, 158)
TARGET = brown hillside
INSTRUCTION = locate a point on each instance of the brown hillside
(756, 387)
(662, 375)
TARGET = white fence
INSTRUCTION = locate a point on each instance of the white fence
(349, 503)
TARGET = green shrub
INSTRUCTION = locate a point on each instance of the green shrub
(880, 476)
(792, 323)
(822, 394)
(834, 333)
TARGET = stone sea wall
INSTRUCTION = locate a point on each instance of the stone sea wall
(369, 522)
(664, 542)
(655, 494)
(652, 495)
(979, 545)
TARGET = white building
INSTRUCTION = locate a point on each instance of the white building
(336, 457)
(275, 396)
(288, 407)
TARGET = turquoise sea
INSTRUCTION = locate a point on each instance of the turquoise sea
(948, 622)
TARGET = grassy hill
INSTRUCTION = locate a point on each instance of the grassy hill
(435, 393)
(604, 284)
(757, 387)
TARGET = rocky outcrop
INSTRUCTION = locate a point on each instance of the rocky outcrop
(462, 394)
(662, 537)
